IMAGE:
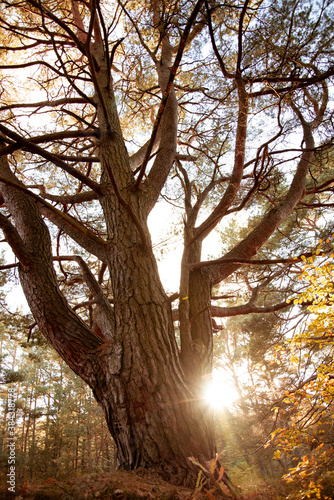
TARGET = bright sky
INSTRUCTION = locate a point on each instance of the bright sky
(162, 222)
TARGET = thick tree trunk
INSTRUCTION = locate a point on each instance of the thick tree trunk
(150, 410)
(149, 391)
(151, 414)
(135, 372)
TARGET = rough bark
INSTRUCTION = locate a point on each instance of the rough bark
(149, 389)
(135, 373)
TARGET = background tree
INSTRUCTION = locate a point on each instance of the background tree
(60, 431)
(239, 100)
(246, 349)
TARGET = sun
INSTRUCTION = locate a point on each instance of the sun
(219, 392)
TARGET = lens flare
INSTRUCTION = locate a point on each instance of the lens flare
(219, 392)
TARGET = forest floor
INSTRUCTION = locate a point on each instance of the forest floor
(121, 485)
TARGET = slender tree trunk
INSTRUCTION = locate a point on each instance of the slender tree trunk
(32, 447)
(76, 457)
(47, 422)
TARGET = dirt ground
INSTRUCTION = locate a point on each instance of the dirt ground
(119, 485)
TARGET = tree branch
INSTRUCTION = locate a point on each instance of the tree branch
(258, 237)
(249, 308)
(240, 35)
(214, 46)
(261, 262)
(68, 334)
(70, 198)
(239, 156)
(168, 89)
(55, 136)
(77, 231)
(299, 83)
(41, 104)
(63, 25)
(8, 266)
(33, 148)
(15, 242)
(104, 306)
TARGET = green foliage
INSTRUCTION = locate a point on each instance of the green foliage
(307, 439)
(60, 430)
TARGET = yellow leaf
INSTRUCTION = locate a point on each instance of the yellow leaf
(212, 465)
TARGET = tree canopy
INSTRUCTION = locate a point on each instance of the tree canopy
(107, 107)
